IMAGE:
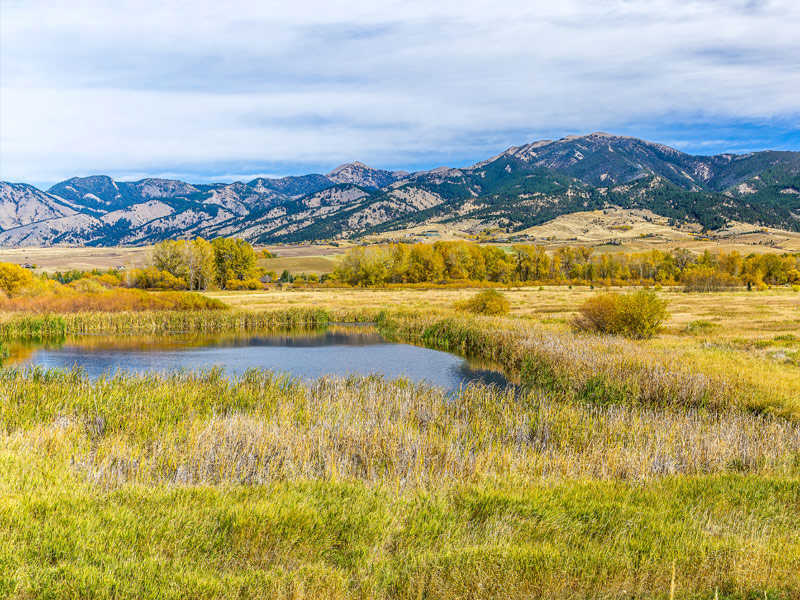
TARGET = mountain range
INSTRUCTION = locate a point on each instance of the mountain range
(521, 187)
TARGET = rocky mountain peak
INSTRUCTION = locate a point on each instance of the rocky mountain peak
(360, 174)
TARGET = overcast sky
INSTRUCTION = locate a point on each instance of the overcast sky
(223, 90)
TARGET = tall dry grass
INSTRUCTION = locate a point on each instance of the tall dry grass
(202, 428)
(113, 300)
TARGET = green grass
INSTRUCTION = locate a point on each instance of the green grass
(193, 485)
(340, 540)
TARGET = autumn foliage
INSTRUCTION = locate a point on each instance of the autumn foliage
(113, 300)
(635, 315)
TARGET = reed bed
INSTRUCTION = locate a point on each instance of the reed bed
(202, 428)
(598, 369)
(197, 485)
(55, 325)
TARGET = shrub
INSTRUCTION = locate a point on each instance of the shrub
(598, 313)
(487, 302)
(246, 284)
(13, 278)
(153, 279)
(796, 288)
(635, 315)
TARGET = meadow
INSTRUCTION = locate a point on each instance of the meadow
(614, 463)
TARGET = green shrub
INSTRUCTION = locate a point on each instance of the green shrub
(635, 315)
(487, 302)
(701, 327)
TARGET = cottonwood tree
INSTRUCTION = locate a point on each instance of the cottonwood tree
(234, 259)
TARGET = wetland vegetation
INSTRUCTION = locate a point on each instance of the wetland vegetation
(613, 462)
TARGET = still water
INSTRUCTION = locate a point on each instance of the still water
(309, 353)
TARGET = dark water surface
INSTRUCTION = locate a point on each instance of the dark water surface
(309, 353)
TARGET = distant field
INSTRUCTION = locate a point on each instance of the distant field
(310, 265)
(630, 230)
(298, 259)
(60, 258)
(606, 231)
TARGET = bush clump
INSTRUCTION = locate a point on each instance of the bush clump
(488, 302)
(636, 315)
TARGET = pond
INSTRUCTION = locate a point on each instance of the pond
(307, 353)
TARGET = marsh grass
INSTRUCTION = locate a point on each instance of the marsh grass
(764, 383)
(55, 325)
(192, 484)
(202, 428)
(596, 369)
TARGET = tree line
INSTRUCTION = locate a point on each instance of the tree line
(232, 264)
(443, 262)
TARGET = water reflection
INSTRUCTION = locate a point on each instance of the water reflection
(306, 353)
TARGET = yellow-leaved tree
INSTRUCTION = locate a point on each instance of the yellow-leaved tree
(14, 278)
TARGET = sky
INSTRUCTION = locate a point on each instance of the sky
(206, 90)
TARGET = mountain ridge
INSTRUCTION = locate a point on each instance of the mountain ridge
(518, 188)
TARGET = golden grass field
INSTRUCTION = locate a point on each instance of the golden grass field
(313, 258)
(631, 230)
(310, 265)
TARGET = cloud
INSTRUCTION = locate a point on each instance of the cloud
(213, 89)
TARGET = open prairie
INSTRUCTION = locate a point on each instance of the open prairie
(309, 265)
(617, 230)
(306, 258)
(65, 258)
